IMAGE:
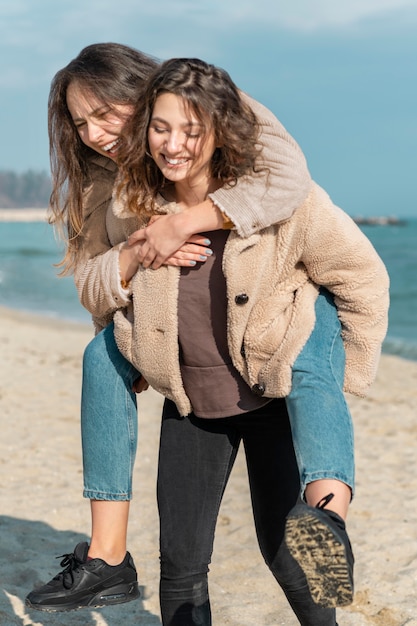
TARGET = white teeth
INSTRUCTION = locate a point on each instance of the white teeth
(176, 161)
(111, 145)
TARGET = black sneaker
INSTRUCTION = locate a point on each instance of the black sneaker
(83, 583)
(317, 539)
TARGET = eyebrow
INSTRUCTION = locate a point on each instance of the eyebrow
(94, 113)
(186, 125)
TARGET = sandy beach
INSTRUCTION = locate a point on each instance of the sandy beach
(23, 215)
(43, 514)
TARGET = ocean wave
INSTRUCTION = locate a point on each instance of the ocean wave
(400, 347)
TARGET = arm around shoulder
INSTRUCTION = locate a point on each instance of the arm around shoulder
(257, 202)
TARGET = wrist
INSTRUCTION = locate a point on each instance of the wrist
(227, 222)
(128, 265)
(125, 284)
(185, 224)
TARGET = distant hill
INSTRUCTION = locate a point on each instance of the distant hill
(26, 189)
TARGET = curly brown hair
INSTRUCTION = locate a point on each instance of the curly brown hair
(212, 96)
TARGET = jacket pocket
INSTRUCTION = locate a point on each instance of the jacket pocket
(268, 323)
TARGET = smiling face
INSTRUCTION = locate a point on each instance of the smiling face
(99, 125)
(181, 146)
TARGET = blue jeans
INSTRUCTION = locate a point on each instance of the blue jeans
(195, 461)
(320, 419)
(109, 420)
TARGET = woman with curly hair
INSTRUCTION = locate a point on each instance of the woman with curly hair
(246, 347)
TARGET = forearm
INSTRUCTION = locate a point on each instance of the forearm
(98, 282)
(201, 218)
(128, 263)
(174, 239)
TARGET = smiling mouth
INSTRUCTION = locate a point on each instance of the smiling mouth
(110, 146)
(174, 162)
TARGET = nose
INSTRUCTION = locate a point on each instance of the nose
(174, 142)
(94, 131)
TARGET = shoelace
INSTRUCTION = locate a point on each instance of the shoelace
(324, 501)
(69, 563)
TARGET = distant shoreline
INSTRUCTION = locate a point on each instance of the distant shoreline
(42, 320)
(379, 221)
(40, 215)
(23, 215)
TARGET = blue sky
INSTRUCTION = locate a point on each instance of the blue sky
(342, 77)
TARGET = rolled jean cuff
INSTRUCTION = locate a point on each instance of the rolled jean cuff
(327, 475)
(100, 495)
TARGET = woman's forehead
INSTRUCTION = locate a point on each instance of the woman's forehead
(81, 95)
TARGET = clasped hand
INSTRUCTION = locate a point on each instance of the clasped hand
(165, 241)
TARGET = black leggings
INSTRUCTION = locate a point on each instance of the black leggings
(196, 458)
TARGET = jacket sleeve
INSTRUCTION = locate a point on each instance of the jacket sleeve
(340, 257)
(96, 274)
(272, 196)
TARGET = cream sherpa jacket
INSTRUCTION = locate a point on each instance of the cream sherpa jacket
(254, 203)
(279, 271)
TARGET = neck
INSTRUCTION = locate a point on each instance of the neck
(191, 195)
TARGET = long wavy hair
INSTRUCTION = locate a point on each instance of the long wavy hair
(214, 99)
(114, 74)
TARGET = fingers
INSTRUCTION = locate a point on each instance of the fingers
(199, 240)
(148, 256)
(137, 236)
(196, 250)
(144, 253)
(188, 256)
(140, 384)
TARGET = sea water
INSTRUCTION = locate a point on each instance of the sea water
(397, 246)
(29, 278)
(29, 253)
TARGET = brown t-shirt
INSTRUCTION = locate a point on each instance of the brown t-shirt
(214, 386)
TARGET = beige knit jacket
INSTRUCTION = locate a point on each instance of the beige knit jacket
(280, 270)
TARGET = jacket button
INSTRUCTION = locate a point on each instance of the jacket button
(242, 298)
(258, 389)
